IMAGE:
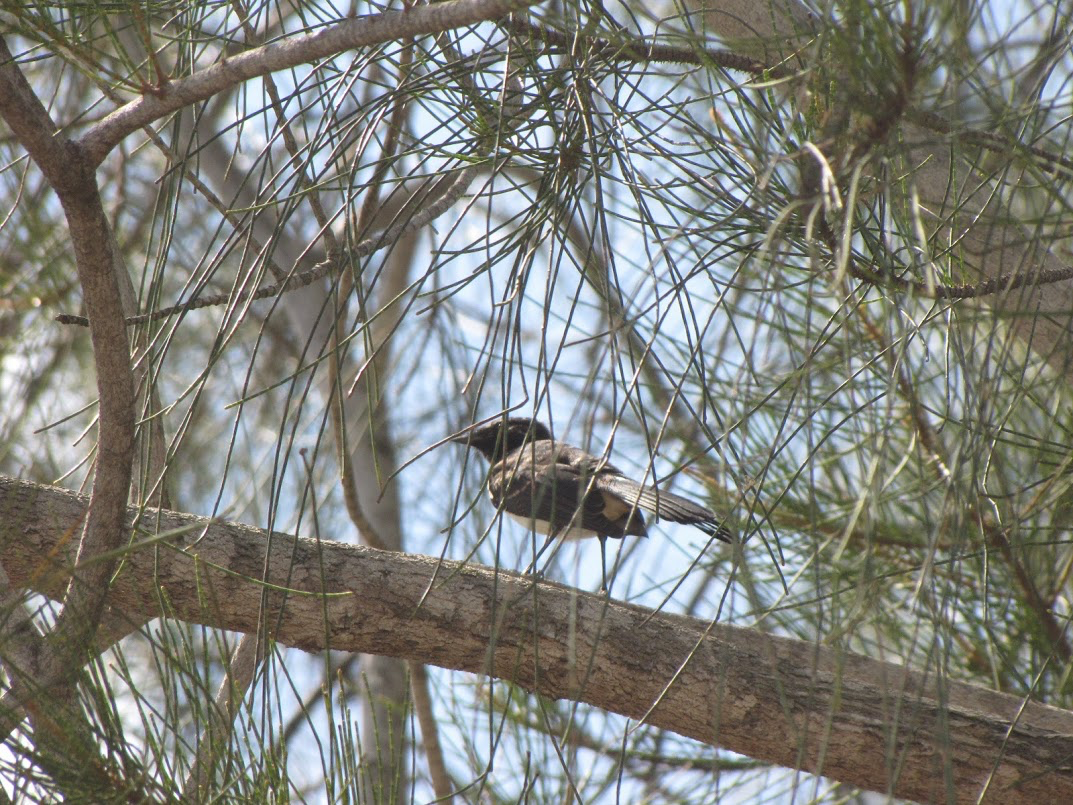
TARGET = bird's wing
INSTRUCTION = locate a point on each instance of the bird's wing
(621, 496)
(563, 494)
(665, 505)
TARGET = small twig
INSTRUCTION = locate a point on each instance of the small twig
(1054, 627)
(442, 783)
(1002, 283)
(989, 140)
(640, 50)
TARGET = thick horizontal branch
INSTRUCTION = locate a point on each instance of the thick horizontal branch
(373, 29)
(860, 721)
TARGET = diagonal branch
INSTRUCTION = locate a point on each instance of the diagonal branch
(231, 71)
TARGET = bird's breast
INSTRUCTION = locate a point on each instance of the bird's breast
(545, 527)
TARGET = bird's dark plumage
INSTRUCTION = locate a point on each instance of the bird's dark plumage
(565, 492)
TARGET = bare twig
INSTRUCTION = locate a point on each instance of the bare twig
(639, 50)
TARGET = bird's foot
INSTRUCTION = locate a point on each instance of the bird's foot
(534, 572)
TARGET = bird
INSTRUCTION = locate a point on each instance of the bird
(564, 492)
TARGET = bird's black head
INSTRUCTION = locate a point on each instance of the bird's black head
(499, 437)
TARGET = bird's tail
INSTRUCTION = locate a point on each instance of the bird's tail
(677, 509)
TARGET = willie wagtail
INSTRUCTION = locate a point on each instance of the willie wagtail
(562, 491)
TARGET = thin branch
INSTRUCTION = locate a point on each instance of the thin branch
(635, 49)
(1054, 626)
(232, 71)
(1001, 284)
(989, 140)
(442, 783)
(642, 51)
(369, 209)
(932, 448)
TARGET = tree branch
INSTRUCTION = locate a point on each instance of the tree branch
(72, 177)
(784, 701)
(229, 72)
